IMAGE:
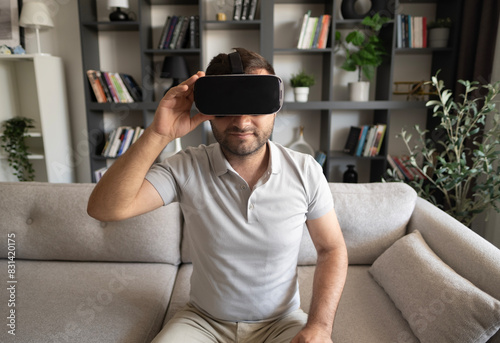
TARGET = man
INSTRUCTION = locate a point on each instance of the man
(245, 200)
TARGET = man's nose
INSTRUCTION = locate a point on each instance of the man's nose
(241, 121)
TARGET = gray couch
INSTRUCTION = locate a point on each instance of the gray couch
(413, 269)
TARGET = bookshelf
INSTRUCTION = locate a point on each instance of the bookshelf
(33, 86)
(328, 114)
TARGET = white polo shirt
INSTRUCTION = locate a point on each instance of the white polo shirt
(244, 243)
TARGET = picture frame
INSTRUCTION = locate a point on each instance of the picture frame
(9, 23)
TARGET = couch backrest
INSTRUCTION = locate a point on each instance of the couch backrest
(372, 217)
(50, 222)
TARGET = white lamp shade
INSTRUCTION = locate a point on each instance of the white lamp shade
(117, 3)
(35, 15)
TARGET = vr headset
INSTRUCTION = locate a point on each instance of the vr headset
(238, 93)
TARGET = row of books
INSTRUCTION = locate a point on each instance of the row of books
(314, 31)
(365, 140)
(244, 9)
(180, 32)
(411, 31)
(403, 168)
(114, 87)
(120, 139)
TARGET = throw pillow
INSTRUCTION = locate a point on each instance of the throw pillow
(439, 304)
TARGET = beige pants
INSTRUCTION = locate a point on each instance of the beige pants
(190, 325)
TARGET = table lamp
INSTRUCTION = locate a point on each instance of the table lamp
(118, 15)
(174, 67)
(35, 15)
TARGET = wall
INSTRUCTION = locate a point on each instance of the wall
(64, 41)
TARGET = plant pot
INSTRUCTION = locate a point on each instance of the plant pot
(359, 91)
(301, 94)
(438, 37)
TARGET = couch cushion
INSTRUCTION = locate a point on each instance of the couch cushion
(439, 304)
(180, 294)
(88, 302)
(372, 216)
(365, 312)
(50, 222)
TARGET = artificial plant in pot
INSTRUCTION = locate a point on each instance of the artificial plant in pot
(461, 156)
(439, 31)
(301, 83)
(363, 54)
(14, 143)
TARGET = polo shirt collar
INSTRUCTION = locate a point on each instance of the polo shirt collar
(222, 166)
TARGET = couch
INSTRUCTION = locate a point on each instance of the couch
(70, 278)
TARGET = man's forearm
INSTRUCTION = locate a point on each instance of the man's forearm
(328, 283)
(117, 189)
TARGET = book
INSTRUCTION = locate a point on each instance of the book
(96, 86)
(303, 29)
(181, 41)
(99, 173)
(352, 140)
(238, 4)
(362, 140)
(325, 29)
(132, 87)
(177, 32)
(252, 9)
(164, 32)
(111, 87)
(194, 32)
(170, 32)
(395, 167)
(377, 141)
(369, 140)
(244, 9)
(312, 22)
(320, 157)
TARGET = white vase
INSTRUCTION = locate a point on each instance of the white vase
(438, 37)
(359, 91)
(301, 94)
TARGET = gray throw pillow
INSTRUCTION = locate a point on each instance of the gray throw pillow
(439, 304)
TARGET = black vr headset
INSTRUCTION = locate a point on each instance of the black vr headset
(238, 93)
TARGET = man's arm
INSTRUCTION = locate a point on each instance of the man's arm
(123, 192)
(329, 278)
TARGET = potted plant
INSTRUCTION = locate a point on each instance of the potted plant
(439, 31)
(301, 83)
(363, 54)
(461, 169)
(13, 142)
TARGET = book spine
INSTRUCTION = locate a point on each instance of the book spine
(244, 9)
(362, 140)
(170, 33)
(238, 4)
(132, 86)
(123, 88)
(164, 32)
(183, 34)
(177, 32)
(111, 87)
(96, 86)
(252, 10)
(325, 29)
(303, 29)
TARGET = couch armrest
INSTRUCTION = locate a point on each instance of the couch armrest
(458, 246)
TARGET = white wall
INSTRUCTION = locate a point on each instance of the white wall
(64, 41)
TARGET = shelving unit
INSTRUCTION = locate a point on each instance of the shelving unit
(325, 104)
(33, 86)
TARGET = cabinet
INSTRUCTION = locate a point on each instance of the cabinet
(273, 34)
(33, 86)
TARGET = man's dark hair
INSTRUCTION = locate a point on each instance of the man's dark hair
(219, 65)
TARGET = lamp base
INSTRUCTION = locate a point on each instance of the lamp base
(118, 15)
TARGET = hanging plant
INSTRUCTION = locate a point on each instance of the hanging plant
(13, 142)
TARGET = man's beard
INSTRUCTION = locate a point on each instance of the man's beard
(235, 147)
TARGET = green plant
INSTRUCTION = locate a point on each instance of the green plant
(302, 80)
(440, 22)
(13, 142)
(364, 51)
(460, 165)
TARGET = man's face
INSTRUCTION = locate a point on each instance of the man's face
(243, 135)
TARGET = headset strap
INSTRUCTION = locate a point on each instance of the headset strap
(235, 63)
